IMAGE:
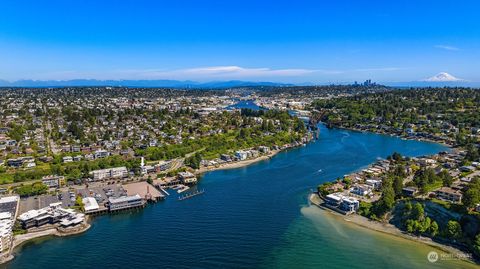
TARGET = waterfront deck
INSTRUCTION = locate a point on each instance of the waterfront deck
(145, 190)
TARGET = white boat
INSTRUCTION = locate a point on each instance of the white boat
(185, 188)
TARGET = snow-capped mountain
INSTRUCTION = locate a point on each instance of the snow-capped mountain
(442, 77)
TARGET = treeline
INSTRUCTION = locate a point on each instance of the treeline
(71, 171)
(459, 107)
(81, 169)
(33, 189)
(277, 128)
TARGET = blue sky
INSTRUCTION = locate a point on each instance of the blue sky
(285, 41)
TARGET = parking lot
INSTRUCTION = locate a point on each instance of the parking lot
(9, 206)
(101, 191)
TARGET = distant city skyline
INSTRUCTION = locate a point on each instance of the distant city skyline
(277, 41)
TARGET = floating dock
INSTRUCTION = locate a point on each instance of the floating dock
(190, 195)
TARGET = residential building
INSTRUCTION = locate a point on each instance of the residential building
(333, 199)
(361, 189)
(187, 178)
(53, 181)
(101, 154)
(241, 155)
(449, 194)
(117, 172)
(349, 204)
(409, 191)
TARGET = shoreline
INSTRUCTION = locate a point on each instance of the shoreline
(389, 229)
(21, 239)
(420, 139)
(239, 164)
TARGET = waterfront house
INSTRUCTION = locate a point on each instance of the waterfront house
(225, 158)
(241, 155)
(187, 177)
(6, 235)
(349, 204)
(8, 206)
(361, 189)
(342, 203)
(333, 199)
(374, 183)
(263, 149)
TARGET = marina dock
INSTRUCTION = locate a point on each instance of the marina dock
(190, 195)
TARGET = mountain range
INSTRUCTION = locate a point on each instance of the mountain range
(440, 80)
(137, 83)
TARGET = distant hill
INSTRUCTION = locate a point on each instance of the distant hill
(137, 83)
(211, 84)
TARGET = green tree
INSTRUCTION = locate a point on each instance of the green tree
(397, 156)
(453, 230)
(476, 244)
(434, 229)
(418, 212)
(447, 179)
(398, 186)
(471, 197)
(36, 188)
(386, 201)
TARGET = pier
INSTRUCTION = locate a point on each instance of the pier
(190, 195)
(145, 190)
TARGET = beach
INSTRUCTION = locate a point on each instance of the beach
(21, 239)
(237, 164)
(386, 228)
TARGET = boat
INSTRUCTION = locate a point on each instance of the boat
(183, 189)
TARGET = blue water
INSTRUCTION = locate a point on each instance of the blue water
(245, 104)
(251, 217)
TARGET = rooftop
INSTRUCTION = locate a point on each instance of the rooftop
(123, 199)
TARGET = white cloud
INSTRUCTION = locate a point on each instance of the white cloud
(241, 71)
(446, 47)
(381, 69)
(209, 73)
(237, 72)
(215, 72)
